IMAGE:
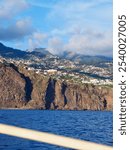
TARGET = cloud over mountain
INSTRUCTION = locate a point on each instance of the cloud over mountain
(91, 43)
(36, 39)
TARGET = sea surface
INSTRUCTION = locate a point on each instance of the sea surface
(95, 126)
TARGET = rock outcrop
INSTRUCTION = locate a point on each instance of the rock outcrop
(20, 88)
(12, 87)
(78, 97)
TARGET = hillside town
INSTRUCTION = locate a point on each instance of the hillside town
(65, 70)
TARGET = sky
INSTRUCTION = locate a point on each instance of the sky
(81, 26)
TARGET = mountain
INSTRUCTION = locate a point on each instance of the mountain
(85, 59)
(39, 52)
(42, 50)
(9, 52)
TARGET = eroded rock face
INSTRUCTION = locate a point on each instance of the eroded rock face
(24, 89)
(81, 97)
(12, 88)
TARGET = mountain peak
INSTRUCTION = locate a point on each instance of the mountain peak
(41, 50)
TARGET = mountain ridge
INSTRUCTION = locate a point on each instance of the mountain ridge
(9, 52)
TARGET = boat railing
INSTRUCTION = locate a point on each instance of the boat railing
(44, 137)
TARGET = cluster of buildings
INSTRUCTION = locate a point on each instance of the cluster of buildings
(103, 72)
(65, 70)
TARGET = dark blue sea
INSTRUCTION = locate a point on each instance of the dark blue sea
(95, 126)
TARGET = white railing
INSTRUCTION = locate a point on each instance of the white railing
(51, 138)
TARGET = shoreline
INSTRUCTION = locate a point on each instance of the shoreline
(51, 109)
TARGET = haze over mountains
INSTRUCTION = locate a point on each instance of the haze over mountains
(9, 52)
(85, 59)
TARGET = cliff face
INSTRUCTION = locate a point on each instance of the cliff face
(12, 87)
(80, 97)
(23, 89)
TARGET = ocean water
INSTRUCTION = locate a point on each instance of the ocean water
(95, 126)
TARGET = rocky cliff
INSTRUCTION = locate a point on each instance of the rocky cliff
(12, 87)
(20, 88)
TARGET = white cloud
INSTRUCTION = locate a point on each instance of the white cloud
(12, 26)
(37, 39)
(39, 36)
(87, 42)
(87, 26)
(10, 8)
(91, 43)
(16, 31)
(55, 45)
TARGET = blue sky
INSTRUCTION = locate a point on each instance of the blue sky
(82, 26)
